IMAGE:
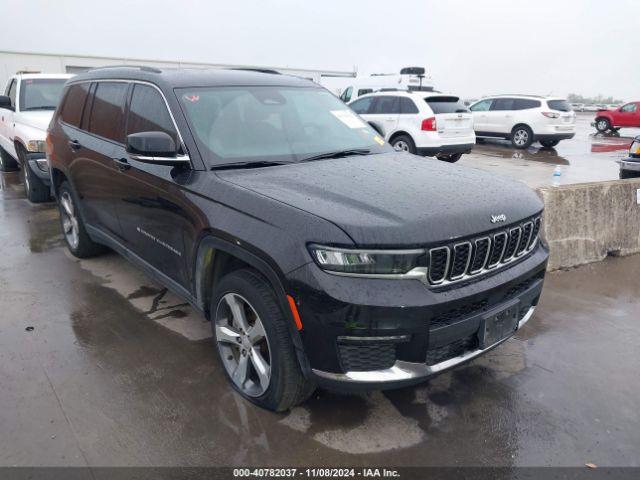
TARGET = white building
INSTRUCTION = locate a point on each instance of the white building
(12, 62)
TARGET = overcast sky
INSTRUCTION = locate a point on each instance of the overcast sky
(472, 47)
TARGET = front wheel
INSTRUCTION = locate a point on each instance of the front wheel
(404, 143)
(521, 137)
(254, 342)
(549, 143)
(34, 188)
(603, 125)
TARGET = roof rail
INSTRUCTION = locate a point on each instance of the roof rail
(144, 68)
(259, 70)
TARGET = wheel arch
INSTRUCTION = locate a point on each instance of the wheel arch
(521, 124)
(398, 133)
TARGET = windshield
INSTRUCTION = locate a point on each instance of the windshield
(561, 105)
(446, 105)
(273, 124)
(41, 93)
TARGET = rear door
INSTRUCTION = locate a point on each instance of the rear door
(500, 117)
(155, 215)
(384, 113)
(452, 116)
(92, 149)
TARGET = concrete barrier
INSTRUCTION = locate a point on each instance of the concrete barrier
(584, 223)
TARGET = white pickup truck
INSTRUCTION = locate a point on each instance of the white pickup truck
(26, 109)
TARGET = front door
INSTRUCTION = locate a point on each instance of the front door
(627, 116)
(6, 119)
(156, 217)
(480, 111)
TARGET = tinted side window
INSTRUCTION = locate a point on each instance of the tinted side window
(407, 105)
(346, 95)
(74, 104)
(364, 91)
(482, 106)
(107, 111)
(386, 105)
(503, 104)
(12, 92)
(362, 106)
(148, 113)
(629, 107)
(525, 104)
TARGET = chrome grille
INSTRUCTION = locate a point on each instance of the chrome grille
(448, 264)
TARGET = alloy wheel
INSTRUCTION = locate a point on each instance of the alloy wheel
(243, 344)
(401, 146)
(521, 137)
(602, 125)
(69, 220)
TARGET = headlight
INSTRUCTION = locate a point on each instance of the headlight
(369, 262)
(36, 146)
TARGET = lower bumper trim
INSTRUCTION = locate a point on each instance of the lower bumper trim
(629, 165)
(404, 371)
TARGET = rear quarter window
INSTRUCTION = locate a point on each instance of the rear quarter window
(561, 105)
(525, 104)
(446, 105)
(73, 105)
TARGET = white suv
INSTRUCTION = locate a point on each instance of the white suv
(424, 123)
(523, 119)
(26, 109)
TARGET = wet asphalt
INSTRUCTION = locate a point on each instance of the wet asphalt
(100, 366)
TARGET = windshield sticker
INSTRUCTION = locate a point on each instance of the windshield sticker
(348, 118)
(191, 98)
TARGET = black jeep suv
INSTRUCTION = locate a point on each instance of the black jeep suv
(320, 255)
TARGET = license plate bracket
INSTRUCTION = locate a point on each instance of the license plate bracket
(498, 324)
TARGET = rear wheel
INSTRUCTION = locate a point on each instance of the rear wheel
(521, 137)
(404, 143)
(34, 189)
(254, 342)
(75, 234)
(549, 143)
(7, 164)
(603, 124)
(453, 158)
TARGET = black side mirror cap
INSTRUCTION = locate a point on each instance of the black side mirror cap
(155, 147)
(5, 102)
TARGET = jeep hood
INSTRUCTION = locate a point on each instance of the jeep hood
(38, 119)
(394, 199)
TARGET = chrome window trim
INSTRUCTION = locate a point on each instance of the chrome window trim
(453, 262)
(446, 267)
(141, 82)
(417, 273)
(504, 247)
(486, 257)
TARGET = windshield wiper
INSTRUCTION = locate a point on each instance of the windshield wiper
(337, 154)
(42, 107)
(258, 164)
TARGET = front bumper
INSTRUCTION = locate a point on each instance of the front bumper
(629, 163)
(444, 149)
(361, 333)
(36, 168)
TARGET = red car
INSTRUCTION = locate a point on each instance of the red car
(628, 115)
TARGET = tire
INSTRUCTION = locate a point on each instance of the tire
(453, 158)
(521, 137)
(549, 143)
(603, 124)
(283, 385)
(34, 189)
(404, 143)
(78, 241)
(624, 174)
(7, 163)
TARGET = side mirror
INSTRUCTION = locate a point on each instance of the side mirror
(5, 102)
(155, 147)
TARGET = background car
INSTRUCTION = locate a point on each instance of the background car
(523, 119)
(427, 124)
(25, 112)
(630, 166)
(410, 78)
(578, 107)
(628, 115)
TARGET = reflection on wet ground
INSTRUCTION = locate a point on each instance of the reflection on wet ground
(118, 371)
(588, 157)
